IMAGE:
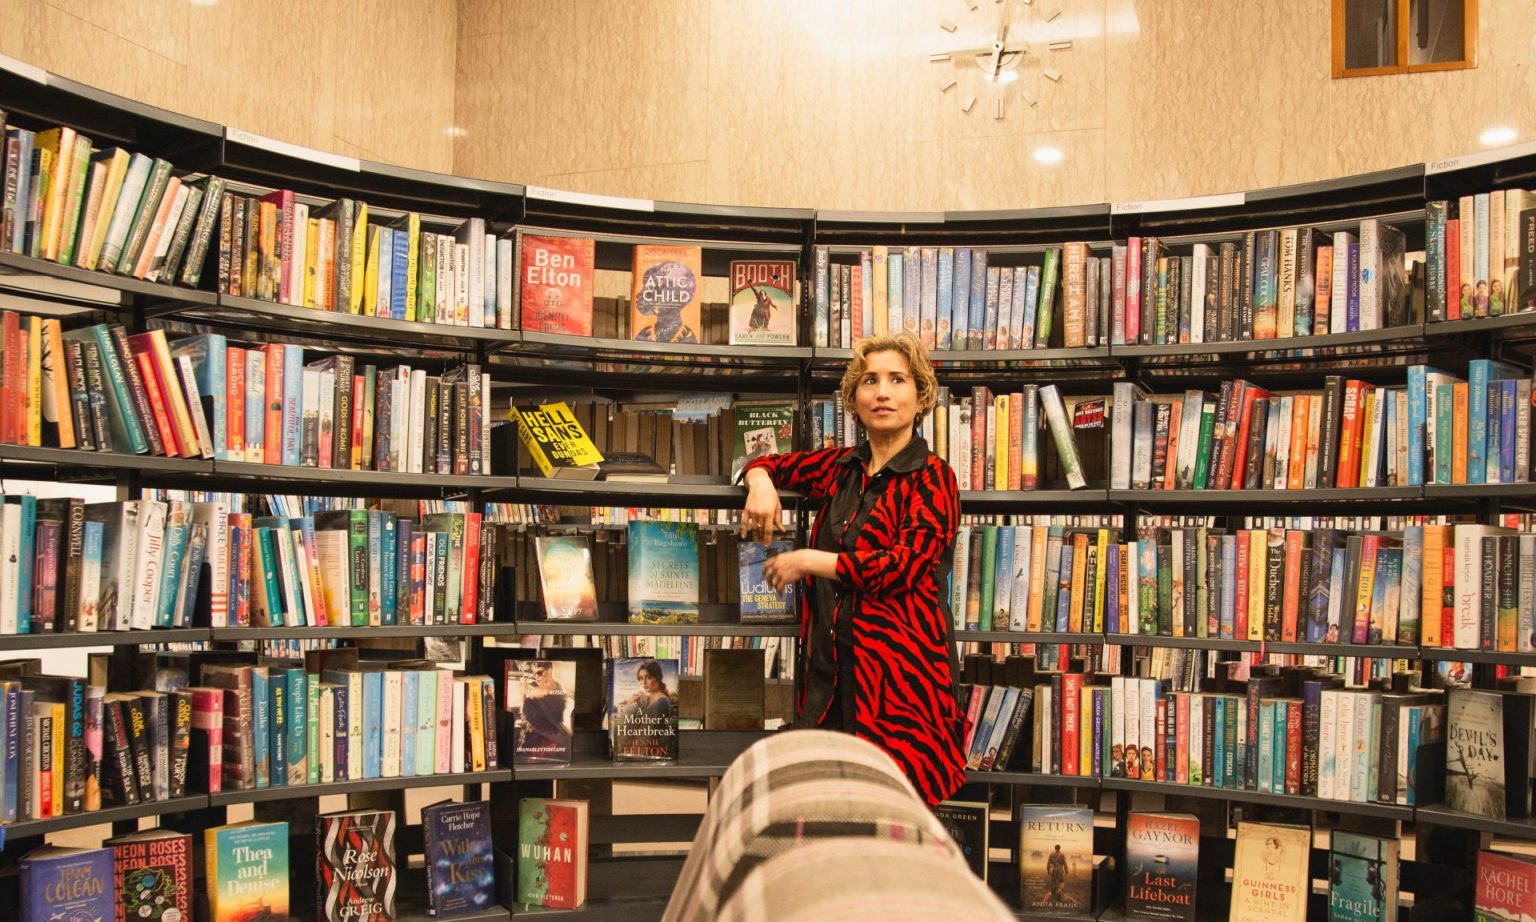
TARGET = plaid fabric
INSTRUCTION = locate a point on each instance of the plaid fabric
(792, 789)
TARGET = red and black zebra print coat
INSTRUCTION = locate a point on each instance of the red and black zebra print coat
(895, 577)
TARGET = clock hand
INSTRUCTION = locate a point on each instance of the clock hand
(1000, 42)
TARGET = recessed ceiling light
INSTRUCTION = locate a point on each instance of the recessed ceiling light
(1498, 137)
(1048, 154)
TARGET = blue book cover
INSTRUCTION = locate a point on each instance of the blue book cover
(28, 556)
(1031, 307)
(408, 721)
(1480, 373)
(67, 885)
(960, 300)
(373, 716)
(1418, 410)
(977, 301)
(1002, 587)
(1362, 878)
(175, 549)
(1112, 592)
(426, 722)
(1229, 586)
(1266, 745)
(375, 571)
(280, 715)
(12, 748)
(293, 402)
(1218, 770)
(90, 559)
(404, 529)
(759, 603)
(298, 725)
(192, 574)
(461, 876)
(663, 573)
(209, 352)
(343, 726)
(642, 715)
(1064, 586)
(1495, 432)
(1352, 287)
(823, 312)
(1281, 745)
(261, 726)
(896, 276)
(1444, 417)
(945, 295)
(388, 562)
(1508, 407)
(399, 269)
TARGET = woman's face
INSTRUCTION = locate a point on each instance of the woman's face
(886, 397)
(648, 682)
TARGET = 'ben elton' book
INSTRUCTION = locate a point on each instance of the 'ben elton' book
(66, 884)
(556, 443)
(1056, 858)
(762, 302)
(759, 603)
(1162, 860)
(247, 872)
(557, 275)
(664, 294)
(642, 715)
(1270, 881)
(1506, 888)
(355, 866)
(663, 573)
(153, 872)
(552, 853)
(761, 429)
(461, 875)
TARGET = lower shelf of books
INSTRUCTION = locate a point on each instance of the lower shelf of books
(28, 828)
(645, 883)
(1356, 808)
(299, 791)
(1515, 828)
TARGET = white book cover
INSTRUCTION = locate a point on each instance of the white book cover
(163, 245)
(1338, 311)
(195, 405)
(456, 743)
(215, 516)
(1147, 696)
(462, 270)
(1361, 755)
(1466, 213)
(149, 557)
(1327, 742)
(1115, 724)
(1467, 626)
(327, 754)
(1121, 435)
(296, 612)
(1374, 451)
(1343, 747)
(300, 255)
(1480, 249)
(426, 721)
(90, 580)
(355, 726)
(1282, 442)
(961, 572)
(314, 613)
(1370, 274)
(443, 753)
(1285, 289)
(1196, 734)
(1189, 438)
(415, 416)
(1131, 624)
(10, 567)
(485, 428)
(504, 284)
(1144, 416)
(1526, 595)
(389, 765)
(488, 311)
(399, 422)
(1203, 254)
(255, 403)
(1018, 604)
(1132, 759)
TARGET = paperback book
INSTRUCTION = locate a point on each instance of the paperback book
(1056, 858)
(565, 577)
(153, 875)
(762, 302)
(664, 294)
(642, 716)
(541, 699)
(1269, 873)
(557, 274)
(759, 603)
(969, 827)
(663, 573)
(61, 884)
(1162, 861)
(1506, 888)
(1362, 878)
(552, 853)
(461, 878)
(761, 429)
(247, 871)
(556, 443)
(355, 866)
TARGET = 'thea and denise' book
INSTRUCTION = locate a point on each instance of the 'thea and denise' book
(759, 603)
(642, 722)
(968, 825)
(565, 577)
(1270, 881)
(664, 294)
(1162, 860)
(1506, 888)
(247, 871)
(355, 866)
(1056, 858)
(541, 699)
(762, 302)
(461, 877)
(663, 573)
(557, 274)
(552, 853)
(66, 885)
(1362, 878)
(153, 872)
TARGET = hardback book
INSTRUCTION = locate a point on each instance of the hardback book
(557, 284)
(762, 302)
(565, 577)
(552, 853)
(759, 603)
(663, 573)
(556, 443)
(1506, 888)
(461, 868)
(355, 866)
(642, 709)
(153, 875)
(1061, 433)
(1270, 880)
(247, 871)
(761, 429)
(1162, 860)
(1056, 858)
(60, 884)
(969, 827)
(1488, 753)
(735, 689)
(541, 698)
(664, 294)
(1362, 878)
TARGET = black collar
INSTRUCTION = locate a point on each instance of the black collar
(909, 459)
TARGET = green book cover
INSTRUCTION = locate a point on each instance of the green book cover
(247, 872)
(1203, 445)
(663, 573)
(988, 576)
(1164, 589)
(551, 853)
(1047, 297)
(1147, 581)
(1362, 878)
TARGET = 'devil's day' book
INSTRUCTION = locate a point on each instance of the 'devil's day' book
(1269, 874)
(642, 714)
(761, 429)
(663, 573)
(1506, 888)
(664, 294)
(1488, 752)
(1162, 860)
(565, 577)
(153, 874)
(247, 872)
(762, 302)
(1056, 858)
(552, 853)
(66, 885)
(968, 825)
(1362, 878)
(541, 699)
(759, 603)
(557, 274)
(461, 878)
(355, 866)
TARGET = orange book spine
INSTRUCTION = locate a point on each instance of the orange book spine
(1349, 436)
(157, 404)
(1171, 466)
(1432, 585)
(1291, 601)
(13, 370)
(1459, 417)
(1299, 418)
(53, 333)
(157, 229)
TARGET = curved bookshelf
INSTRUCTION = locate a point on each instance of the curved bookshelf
(13, 642)
(338, 632)
(1320, 344)
(146, 292)
(1444, 816)
(1242, 498)
(28, 828)
(1357, 808)
(1009, 500)
(1389, 651)
(302, 791)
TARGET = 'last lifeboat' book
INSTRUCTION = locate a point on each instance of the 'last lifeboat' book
(664, 294)
(762, 302)
(1162, 858)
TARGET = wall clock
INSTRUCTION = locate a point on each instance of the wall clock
(997, 59)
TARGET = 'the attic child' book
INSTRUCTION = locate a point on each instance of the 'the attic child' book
(664, 294)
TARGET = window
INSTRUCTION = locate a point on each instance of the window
(1372, 37)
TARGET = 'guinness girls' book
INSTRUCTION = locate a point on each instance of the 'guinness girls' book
(153, 875)
(247, 872)
(355, 866)
(642, 715)
(66, 884)
(1162, 859)
(1270, 881)
(1056, 858)
(552, 853)
(762, 302)
(461, 877)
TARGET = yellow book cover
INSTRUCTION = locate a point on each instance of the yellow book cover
(358, 250)
(411, 224)
(117, 168)
(55, 385)
(42, 178)
(60, 143)
(664, 294)
(1085, 730)
(1270, 880)
(34, 354)
(1037, 575)
(1257, 555)
(556, 443)
(370, 274)
(473, 710)
(1000, 442)
(1080, 590)
(311, 259)
(58, 758)
(1102, 557)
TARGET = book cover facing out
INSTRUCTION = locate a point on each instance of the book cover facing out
(153, 874)
(247, 872)
(1162, 859)
(541, 697)
(1474, 753)
(355, 866)
(552, 853)
(762, 302)
(968, 825)
(663, 572)
(759, 603)
(461, 876)
(1506, 888)
(557, 274)
(664, 294)
(1056, 858)
(642, 716)
(1362, 878)
(66, 885)
(761, 429)
(1269, 873)
(565, 577)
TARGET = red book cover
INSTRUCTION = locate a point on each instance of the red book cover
(471, 570)
(1244, 421)
(418, 578)
(272, 439)
(856, 301)
(1323, 309)
(234, 403)
(1291, 599)
(1453, 269)
(1181, 740)
(1160, 746)
(557, 279)
(552, 853)
(1506, 888)
(1133, 289)
(358, 382)
(762, 302)
(206, 760)
(13, 370)
(1353, 421)
(1360, 595)
(283, 199)
(1232, 405)
(1448, 603)
(1293, 747)
(1240, 589)
(157, 404)
(1071, 722)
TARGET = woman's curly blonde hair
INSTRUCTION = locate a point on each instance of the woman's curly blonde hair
(912, 350)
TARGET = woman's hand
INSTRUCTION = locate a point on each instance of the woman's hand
(793, 566)
(762, 512)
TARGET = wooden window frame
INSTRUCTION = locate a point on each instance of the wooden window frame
(1468, 47)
